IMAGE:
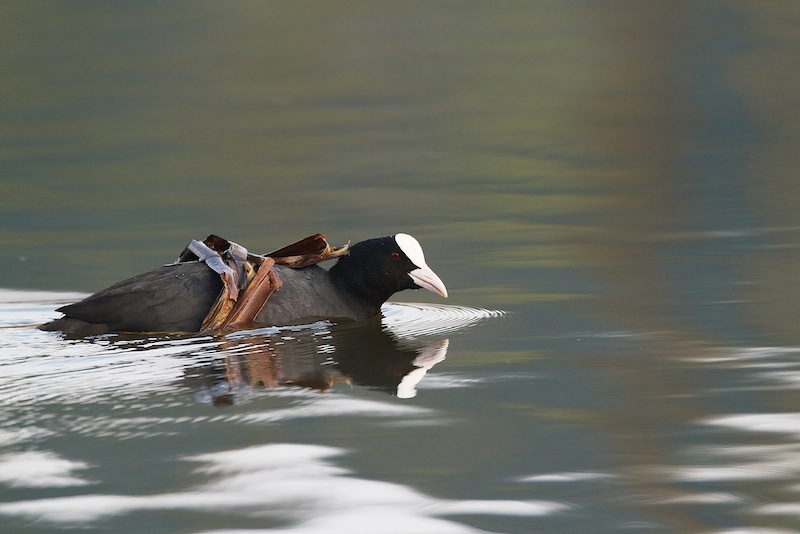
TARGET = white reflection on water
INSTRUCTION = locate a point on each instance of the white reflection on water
(297, 483)
(751, 531)
(428, 357)
(758, 462)
(33, 469)
(330, 406)
(774, 459)
(740, 463)
(408, 320)
(760, 422)
(39, 367)
(569, 477)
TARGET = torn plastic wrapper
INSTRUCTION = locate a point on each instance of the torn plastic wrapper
(249, 279)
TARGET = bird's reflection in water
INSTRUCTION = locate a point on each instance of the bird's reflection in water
(316, 356)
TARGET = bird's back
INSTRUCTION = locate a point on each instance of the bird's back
(173, 298)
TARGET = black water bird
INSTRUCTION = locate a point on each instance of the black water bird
(177, 297)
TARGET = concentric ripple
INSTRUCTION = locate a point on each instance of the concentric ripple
(414, 320)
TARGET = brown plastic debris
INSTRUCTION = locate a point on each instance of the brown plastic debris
(309, 251)
(249, 279)
(254, 298)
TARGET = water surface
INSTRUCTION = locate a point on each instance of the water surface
(609, 192)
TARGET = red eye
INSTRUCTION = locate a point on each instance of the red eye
(395, 256)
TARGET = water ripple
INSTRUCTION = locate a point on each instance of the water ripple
(43, 367)
(300, 483)
(410, 320)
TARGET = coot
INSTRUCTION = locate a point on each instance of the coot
(178, 297)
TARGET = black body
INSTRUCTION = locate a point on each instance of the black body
(176, 298)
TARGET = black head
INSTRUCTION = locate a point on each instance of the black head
(375, 269)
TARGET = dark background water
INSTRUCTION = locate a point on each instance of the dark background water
(621, 177)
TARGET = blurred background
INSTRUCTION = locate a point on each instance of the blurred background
(623, 172)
